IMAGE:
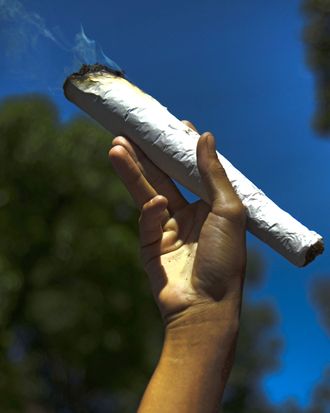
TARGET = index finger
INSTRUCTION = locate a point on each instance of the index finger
(161, 182)
(132, 177)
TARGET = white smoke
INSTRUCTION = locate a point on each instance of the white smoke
(88, 51)
(14, 11)
(22, 32)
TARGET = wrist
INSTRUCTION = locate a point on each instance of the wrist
(206, 317)
(203, 329)
(196, 359)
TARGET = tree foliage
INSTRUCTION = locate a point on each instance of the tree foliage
(76, 315)
(320, 296)
(317, 40)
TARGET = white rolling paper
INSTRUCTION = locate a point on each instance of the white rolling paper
(123, 109)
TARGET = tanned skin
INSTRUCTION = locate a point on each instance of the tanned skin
(195, 258)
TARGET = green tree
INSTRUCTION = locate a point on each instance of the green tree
(320, 294)
(317, 40)
(77, 320)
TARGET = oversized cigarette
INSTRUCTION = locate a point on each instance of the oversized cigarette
(124, 109)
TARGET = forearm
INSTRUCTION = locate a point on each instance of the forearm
(195, 363)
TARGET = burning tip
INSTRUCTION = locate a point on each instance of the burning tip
(97, 67)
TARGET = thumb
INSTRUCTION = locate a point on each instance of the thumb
(223, 198)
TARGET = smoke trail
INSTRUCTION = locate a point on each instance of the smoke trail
(88, 51)
(13, 10)
(24, 33)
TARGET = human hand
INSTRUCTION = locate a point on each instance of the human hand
(194, 254)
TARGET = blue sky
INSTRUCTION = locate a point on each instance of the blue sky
(235, 68)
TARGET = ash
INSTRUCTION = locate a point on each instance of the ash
(97, 67)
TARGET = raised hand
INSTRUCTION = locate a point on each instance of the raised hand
(194, 253)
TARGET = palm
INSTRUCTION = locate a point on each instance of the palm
(182, 270)
(170, 267)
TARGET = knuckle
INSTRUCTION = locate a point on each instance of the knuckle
(237, 211)
(234, 211)
(144, 212)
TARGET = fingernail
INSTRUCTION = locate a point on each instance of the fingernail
(210, 143)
